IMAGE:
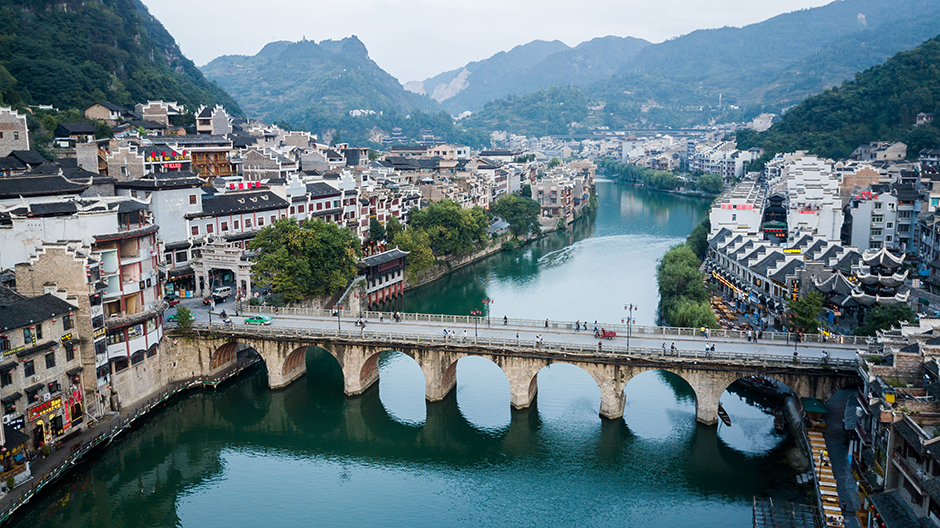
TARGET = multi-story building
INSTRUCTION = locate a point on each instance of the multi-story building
(213, 121)
(41, 374)
(14, 132)
(739, 208)
(209, 154)
(812, 189)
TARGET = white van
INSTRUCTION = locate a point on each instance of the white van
(223, 292)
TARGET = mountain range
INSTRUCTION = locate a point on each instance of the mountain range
(71, 53)
(313, 85)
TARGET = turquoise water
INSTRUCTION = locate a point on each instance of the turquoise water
(309, 456)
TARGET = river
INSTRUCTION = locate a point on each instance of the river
(309, 456)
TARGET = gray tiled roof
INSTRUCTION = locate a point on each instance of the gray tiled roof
(30, 311)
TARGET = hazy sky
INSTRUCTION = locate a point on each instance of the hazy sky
(414, 40)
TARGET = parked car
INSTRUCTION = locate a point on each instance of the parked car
(259, 319)
(171, 300)
(208, 300)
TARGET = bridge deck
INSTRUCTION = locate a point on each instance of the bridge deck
(518, 347)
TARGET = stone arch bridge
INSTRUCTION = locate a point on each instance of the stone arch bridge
(208, 350)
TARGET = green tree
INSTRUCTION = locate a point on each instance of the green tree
(420, 258)
(526, 191)
(682, 292)
(885, 318)
(450, 229)
(392, 228)
(184, 318)
(554, 163)
(698, 238)
(302, 259)
(710, 183)
(804, 313)
(376, 230)
(522, 214)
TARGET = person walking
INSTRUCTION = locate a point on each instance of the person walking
(546, 323)
(672, 346)
(577, 326)
(748, 335)
(464, 336)
(517, 338)
(505, 321)
(664, 346)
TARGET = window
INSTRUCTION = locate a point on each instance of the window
(6, 378)
(260, 221)
(890, 225)
(192, 199)
(120, 364)
(335, 203)
(224, 226)
(68, 322)
(734, 217)
(137, 357)
(904, 228)
(235, 225)
(888, 238)
(181, 256)
(877, 205)
(69, 352)
(4, 344)
(210, 228)
(300, 208)
(273, 219)
(38, 331)
(247, 224)
(27, 336)
(195, 230)
(876, 232)
(877, 219)
(16, 135)
(50, 360)
(292, 210)
(319, 206)
(29, 368)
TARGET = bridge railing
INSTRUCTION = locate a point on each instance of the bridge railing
(620, 328)
(587, 350)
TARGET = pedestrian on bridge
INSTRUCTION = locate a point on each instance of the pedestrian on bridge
(577, 326)
(517, 338)
(672, 346)
(546, 323)
(505, 321)
(464, 336)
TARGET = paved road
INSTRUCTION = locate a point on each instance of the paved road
(528, 334)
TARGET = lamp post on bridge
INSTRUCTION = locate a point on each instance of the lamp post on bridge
(336, 309)
(476, 317)
(630, 308)
(486, 303)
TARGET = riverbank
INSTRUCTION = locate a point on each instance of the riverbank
(92, 442)
(453, 264)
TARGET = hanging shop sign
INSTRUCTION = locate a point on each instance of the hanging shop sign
(43, 408)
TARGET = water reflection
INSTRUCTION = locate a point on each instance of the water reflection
(308, 455)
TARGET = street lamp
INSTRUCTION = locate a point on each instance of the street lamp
(476, 314)
(487, 302)
(337, 308)
(629, 308)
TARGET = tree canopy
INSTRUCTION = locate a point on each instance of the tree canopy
(885, 318)
(522, 214)
(312, 257)
(683, 298)
(451, 230)
(804, 313)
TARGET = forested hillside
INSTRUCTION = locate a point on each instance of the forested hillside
(70, 53)
(881, 103)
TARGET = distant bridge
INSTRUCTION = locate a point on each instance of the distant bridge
(212, 347)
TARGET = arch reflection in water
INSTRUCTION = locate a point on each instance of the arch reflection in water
(750, 404)
(402, 388)
(659, 405)
(483, 394)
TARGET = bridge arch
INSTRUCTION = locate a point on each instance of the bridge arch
(223, 356)
(296, 359)
(639, 393)
(481, 399)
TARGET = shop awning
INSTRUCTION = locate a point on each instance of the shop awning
(34, 388)
(74, 371)
(813, 405)
(7, 367)
(11, 398)
(37, 349)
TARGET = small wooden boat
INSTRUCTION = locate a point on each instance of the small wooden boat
(723, 414)
(780, 425)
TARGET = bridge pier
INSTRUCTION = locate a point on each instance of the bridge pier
(522, 374)
(440, 373)
(360, 368)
